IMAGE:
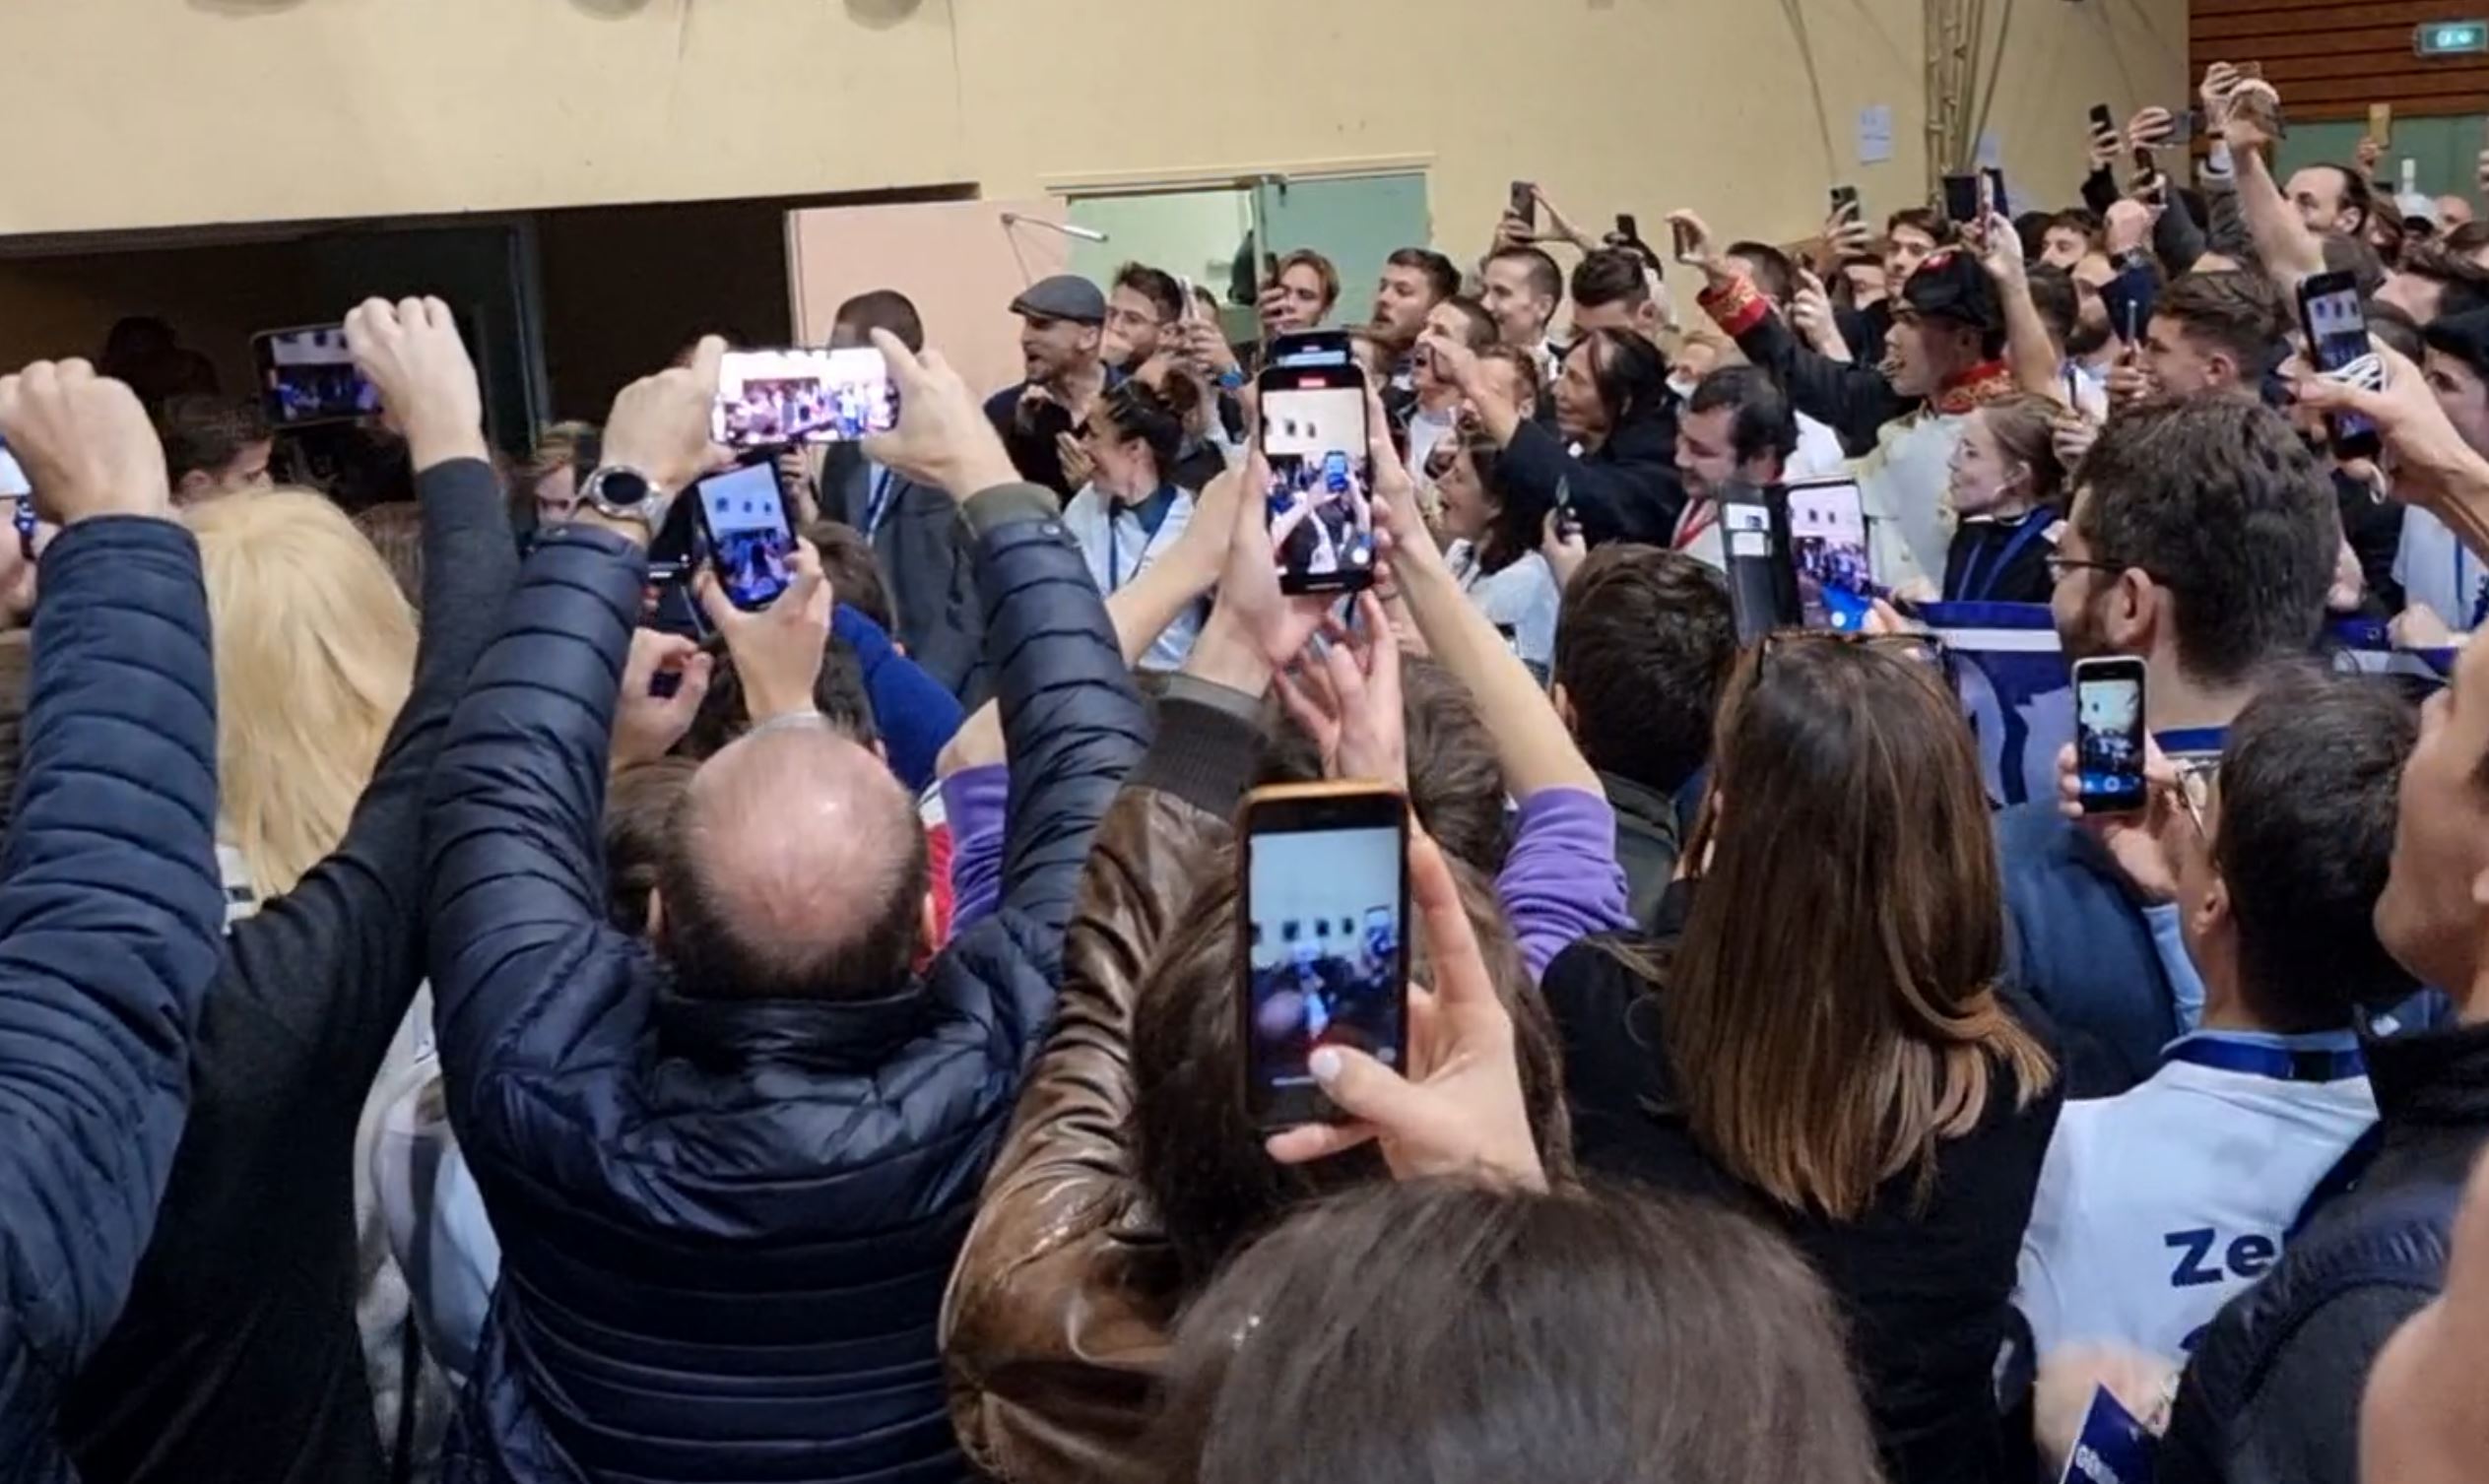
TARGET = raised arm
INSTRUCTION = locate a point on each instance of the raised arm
(2028, 350)
(111, 905)
(915, 713)
(2284, 243)
(340, 955)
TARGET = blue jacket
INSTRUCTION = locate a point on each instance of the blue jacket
(726, 1225)
(111, 914)
(2079, 945)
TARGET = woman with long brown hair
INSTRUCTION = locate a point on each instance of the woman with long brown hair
(1826, 1043)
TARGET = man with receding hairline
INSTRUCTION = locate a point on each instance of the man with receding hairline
(731, 1163)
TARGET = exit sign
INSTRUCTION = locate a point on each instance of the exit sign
(2451, 39)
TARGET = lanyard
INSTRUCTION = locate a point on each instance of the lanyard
(2283, 1063)
(2480, 595)
(877, 502)
(1151, 514)
(1975, 591)
(1700, 516)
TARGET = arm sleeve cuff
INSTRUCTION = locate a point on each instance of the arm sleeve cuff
(1008, 504)
(1737, 306)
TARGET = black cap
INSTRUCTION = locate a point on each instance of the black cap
(1065, 295)
(1950, 284)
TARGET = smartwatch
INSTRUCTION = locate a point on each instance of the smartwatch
(622, 492)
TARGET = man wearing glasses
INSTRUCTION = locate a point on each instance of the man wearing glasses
(2201, 540)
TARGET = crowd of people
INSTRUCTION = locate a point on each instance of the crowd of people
(458, 1022)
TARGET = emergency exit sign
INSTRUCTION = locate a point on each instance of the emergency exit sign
(2451, 39)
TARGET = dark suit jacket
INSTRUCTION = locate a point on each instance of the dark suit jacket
(928, 563)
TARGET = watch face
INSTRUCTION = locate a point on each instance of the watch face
(621, 488)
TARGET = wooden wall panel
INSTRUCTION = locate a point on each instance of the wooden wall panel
(2332, 58)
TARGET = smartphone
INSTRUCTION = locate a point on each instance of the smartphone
(1192, 301)
(307, 376)
(1629, 229)
(1319, 500)
(2108, 740)
(1996, 199)
(2381, 123)
(1311, 347)
(742, 525)
(1568, 521)
(1524, 203)
(2103, 121)
(1828, 554)
(1961, 199)
(1845, 204)
(2337, 335)
(1682, 242)
(767, 399)
(1324, 916)
(2128, 299)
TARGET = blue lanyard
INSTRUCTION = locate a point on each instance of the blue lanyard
(1151, 514)
(2283, 1063)
(2194, 742)
(877, 502)
(1975, 591)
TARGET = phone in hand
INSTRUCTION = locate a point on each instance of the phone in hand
(2109, 738)
(2128, 299)
(2336, 328)
(1320, 504)
(1995, 198)
(1828, 553)
(306, 376)
(1961, 200)
(2104, 124)
(1684, 244)
(1324, 914)
(768, 399)
(742, 518)
(1568, 521)
(1845, 204)
(1524, 203)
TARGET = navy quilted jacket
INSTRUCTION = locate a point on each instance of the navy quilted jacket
(110, 922)
(726, 1225)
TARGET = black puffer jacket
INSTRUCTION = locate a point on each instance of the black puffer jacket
(726, 1225)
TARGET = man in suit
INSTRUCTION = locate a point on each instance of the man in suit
(923, 546)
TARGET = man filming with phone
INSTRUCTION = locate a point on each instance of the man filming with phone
(730, 1163)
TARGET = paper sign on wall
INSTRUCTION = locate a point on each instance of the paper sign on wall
(1875, 134)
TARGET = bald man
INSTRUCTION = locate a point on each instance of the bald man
(731, 1164)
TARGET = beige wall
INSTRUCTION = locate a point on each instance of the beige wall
(165, 112)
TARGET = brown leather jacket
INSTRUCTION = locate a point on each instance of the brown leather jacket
(1058, 1312)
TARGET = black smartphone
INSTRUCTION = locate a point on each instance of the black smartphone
(1628, 230)
(1524, 203)
(1845, 204)
(1961, 200)
(1754, 547)
(2337, 336)
(767, 399)
(1996, 200)
(743, 524)
(2109, 742)
(1828, 553)
(1682, 242)
(1319, 500)
(1568, 521)
(2103, 121)
(1324, 916)
(306, 376)
(2128, 299)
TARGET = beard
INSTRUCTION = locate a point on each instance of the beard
(2086, 637)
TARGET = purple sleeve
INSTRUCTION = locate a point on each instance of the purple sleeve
(974, 802)
(1561, 882)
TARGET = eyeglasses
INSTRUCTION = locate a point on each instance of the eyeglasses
(2195, 777)
(2059, 566)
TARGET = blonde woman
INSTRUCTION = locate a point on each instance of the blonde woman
(237, 1356)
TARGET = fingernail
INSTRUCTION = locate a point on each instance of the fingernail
(1324, 1063)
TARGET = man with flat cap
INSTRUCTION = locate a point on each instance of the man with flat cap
(1062, 320)
(1940, 365)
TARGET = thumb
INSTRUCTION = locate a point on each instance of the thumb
(1366, 1089)
(692, 688)
(713, 599)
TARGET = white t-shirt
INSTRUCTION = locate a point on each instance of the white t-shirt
(1519, 599)
(1118, 548)
(2158, 1206)
(2434, 568)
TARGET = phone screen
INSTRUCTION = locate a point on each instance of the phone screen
(307, 376)
(1682, 242)
(1845, 203)
(1319, 504)
(2109, 734)
(1325, 903)
(766, 398)
(2337, 336)
(2102, 120)
(743, 518)
(1310, 348)
(1961, 199)
(1525, 201)
(1827, 549)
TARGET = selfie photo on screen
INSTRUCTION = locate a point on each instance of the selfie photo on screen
(2109, 732)
(771, 397)
(1321, 512)
(307, 376)
(748, 539)
(1324, 951)
(1827, 545)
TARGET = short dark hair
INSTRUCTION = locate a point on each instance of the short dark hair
(1630, 373)
(1327, 273)
(1610, 276)
(2054, 294)
(1195, 1149)
(838, 693)
(395, 530)
(2357, 194)
(2305, 840)
(1544, 277)
(2463, 284)
(885, 309)
(2219, 501)
(1644, 642)
(1480, 325)
(203, 433)
(1443, 277)
(1765, 422)
(1154, 415)
(2396, 328)
(1155, 285)
(2081, 219)
(1773, 271)
(853, 576)
(2464, 337)
(1620, 1337)
(2231, 310)
(639, 807)
(1921, 218)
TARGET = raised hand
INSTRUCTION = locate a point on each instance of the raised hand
(943, 437)
(2149, 848)
(1699, 253)
(647, 725)
(777, 651)
(1347, 698)
(411, 353)
(1810, 314)
(85, 443)
(660, 424)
